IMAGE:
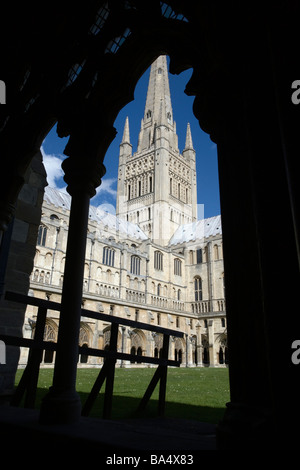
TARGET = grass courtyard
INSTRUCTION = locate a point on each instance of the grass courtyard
(193, 393)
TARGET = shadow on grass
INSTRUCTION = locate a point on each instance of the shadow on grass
(125, 408)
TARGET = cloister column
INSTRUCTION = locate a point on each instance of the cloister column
(211, 343)
(198, 345)
(62, 403)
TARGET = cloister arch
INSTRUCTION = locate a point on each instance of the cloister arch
(106, 337)
(179, 350)
(50, 334)
(85, 338)
(138, 343)
(113, 91)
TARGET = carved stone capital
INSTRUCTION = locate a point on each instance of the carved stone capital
(83, 175)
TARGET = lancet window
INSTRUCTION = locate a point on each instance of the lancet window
(108, 256)
(198, 288)
(135, 265)
(177, 267)
(42, 235)
(158, 260)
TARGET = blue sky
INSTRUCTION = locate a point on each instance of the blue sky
(206, 150)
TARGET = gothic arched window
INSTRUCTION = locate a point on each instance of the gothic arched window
(135, 265)
(158, 260)
(198, 288)
(199, 255)
(42, 235)
(50, 334)
(108, 256)
(177, 267)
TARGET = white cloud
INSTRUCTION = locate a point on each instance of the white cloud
(107, 207)
(106, 196)
(106, 187)
(54, 170)
(55, 180)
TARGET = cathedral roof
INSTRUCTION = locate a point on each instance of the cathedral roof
(62, 200)
(185, 233)
(198, 230)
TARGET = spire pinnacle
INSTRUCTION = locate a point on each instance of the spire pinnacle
(158, 95)
(158, 108)
(125, 145)
(126, 137)
(188, 139)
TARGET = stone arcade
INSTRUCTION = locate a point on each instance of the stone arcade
(153, 262)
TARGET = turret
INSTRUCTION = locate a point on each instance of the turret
(189, 153)
(125, 152)
(125, 145)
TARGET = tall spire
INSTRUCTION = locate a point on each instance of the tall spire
(158, 109)
(157, 177)
(158, 94)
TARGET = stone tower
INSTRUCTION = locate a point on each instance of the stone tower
(157, 185)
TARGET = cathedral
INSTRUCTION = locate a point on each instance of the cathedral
(153, 261)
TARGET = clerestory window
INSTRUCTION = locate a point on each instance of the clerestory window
(108, 256)
(158, 260)
(135, 265)
(42, 235)
(177, 267)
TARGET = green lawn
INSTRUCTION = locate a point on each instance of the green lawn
(193, 393)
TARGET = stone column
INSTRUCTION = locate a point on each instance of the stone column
(62, 403)
(123, 329)
(187, 350)
(198, 344)
(211, 341)
(172, 348)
